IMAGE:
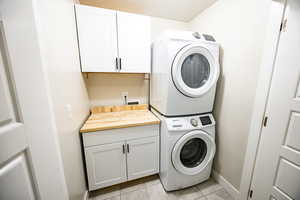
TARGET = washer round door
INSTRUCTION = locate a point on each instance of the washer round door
(193, 152)
(194, 70)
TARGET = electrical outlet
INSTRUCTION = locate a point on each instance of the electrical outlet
(124, 97)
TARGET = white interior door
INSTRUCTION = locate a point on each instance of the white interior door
(16, 180)
(277, 170)
(134, 42)
(97, 35)
(30, 162)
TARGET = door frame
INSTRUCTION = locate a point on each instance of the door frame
(273, 32)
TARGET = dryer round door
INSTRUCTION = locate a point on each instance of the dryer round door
(194, 70)
(193, 152)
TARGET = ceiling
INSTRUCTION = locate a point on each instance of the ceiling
(181, 10)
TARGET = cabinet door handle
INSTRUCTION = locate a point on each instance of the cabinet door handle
(123, 148)
(117, 64)
(120, 62)
(127, 148)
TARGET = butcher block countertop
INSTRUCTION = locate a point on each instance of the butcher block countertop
(112, 117)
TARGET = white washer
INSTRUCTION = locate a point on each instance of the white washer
(187, 149)
(185, 70)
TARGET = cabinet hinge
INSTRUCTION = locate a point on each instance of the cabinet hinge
(265, 121)
(283, 25)
(250, 193)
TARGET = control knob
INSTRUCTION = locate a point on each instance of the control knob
(194, 122)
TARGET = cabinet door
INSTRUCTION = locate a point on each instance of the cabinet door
(97, 35)
(142, 157)
(134, 33)
(106, 165)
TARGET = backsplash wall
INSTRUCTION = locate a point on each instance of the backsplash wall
(106, 88)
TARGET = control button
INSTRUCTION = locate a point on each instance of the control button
(196, 35)
(194, 122)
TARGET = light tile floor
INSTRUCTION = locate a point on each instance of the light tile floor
(150, 188)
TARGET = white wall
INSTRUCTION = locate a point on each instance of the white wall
(158, 25)
(60, 54)
(239, 27)
(105, 89)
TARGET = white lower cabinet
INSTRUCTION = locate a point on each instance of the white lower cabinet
(106, 165)
(142, 157)
(124, 155)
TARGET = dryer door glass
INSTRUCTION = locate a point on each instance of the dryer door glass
(195, 70)
(193, 152)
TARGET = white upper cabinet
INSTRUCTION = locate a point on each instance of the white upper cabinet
(111, 41)
(97, 35)
(134, 42)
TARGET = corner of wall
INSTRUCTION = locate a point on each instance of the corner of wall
(227, 185)
(239, 27)
(70, 103)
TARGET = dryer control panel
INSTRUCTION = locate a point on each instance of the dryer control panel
(190, 122)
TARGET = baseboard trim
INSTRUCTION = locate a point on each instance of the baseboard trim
(228, 186)
(85, 195)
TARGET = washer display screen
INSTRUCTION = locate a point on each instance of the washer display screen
(205, 120)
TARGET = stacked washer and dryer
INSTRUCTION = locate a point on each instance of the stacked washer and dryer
(185, 70)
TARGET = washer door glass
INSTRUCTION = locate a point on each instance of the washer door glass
(195, 70)
(193, 152)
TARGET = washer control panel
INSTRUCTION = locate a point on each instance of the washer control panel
(190, 122)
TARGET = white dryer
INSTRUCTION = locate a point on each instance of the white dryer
(185, 70)
(187, 149)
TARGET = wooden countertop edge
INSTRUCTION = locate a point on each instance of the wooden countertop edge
(119, 126)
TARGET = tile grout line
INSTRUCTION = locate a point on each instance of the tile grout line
(143, 186)
(205, 195)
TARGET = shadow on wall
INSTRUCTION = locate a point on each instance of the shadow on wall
(218, 105)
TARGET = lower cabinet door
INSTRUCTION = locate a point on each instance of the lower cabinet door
(106, 165)
(142, 157)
